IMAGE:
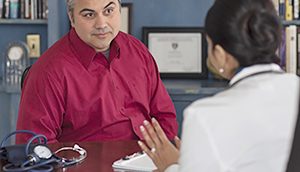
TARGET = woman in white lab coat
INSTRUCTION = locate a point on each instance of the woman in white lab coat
(249, 126)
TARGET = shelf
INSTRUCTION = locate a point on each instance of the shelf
(193, 87)
(292, 22)
(23, 21)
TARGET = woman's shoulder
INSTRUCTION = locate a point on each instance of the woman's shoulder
(208, 105)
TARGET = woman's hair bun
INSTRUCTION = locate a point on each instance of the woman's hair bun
(250, 30)
(259, 35)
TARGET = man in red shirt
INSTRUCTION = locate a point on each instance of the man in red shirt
(94, 84)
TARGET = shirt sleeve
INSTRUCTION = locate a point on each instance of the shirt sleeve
(162, 107)
(41, 106)
(198, 150)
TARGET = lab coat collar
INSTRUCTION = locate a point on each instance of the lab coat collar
(252, 70)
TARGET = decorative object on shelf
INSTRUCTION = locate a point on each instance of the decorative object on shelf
(1, 8)
(34, 42)
(126, 17)
(180, 52)
(15, 60)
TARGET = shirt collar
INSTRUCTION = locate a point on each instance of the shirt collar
(247, 71)
(86, 53)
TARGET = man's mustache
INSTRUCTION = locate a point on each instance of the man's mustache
(101, 31)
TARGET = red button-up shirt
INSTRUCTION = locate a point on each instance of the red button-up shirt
(73, 93)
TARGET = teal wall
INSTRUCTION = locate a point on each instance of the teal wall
(168, 13)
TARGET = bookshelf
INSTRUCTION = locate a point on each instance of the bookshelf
(19, 18)
(289, 50)
(23, 21)
(291, 22)
(50, 30)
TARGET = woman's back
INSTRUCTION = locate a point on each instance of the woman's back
(249, 127)
(246, 128)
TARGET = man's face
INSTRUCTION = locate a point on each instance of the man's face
(97, 22)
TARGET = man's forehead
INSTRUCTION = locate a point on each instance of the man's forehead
(93, 4)
(95, 1)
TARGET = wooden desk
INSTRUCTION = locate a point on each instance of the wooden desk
(100, 155)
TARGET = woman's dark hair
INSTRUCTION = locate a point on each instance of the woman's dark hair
(250, 30)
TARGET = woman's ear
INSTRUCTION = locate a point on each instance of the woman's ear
(220, 55)
(227, 63)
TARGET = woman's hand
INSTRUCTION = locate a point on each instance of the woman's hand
(158, 147)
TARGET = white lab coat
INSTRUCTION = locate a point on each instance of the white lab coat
(246, 128)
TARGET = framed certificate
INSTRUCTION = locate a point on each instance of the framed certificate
(180, 52)
(126, 17)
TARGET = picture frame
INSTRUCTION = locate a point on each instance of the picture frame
(180, 52)
(126, 17)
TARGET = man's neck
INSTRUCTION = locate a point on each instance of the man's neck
(106, 53)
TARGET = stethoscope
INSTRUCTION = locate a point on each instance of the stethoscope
(254, 74)
(38, 157)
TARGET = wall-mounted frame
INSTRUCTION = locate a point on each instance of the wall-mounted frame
(180, 52)
(126, 17)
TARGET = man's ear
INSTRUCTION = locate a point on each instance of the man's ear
(220, 54)
(71, 18)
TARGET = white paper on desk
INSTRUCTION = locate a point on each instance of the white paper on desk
(139, 162)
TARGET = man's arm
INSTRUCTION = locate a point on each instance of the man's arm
(41, 106)
(162, 107)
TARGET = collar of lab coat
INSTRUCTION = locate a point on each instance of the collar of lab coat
(252, 70)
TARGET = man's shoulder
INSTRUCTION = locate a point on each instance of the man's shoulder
(129, 39)
(55, 58)
(62, 46)
(131, 44)
(57, 53)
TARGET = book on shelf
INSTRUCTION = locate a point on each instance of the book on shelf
(281, 8)
(44, 9)
(6, 8)
(14, 9)
(27, 9)
(39, 9)
(295, 9)
(23, 9)
(288, 10)
(291, 49)
(1, 8)
(33, 9)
